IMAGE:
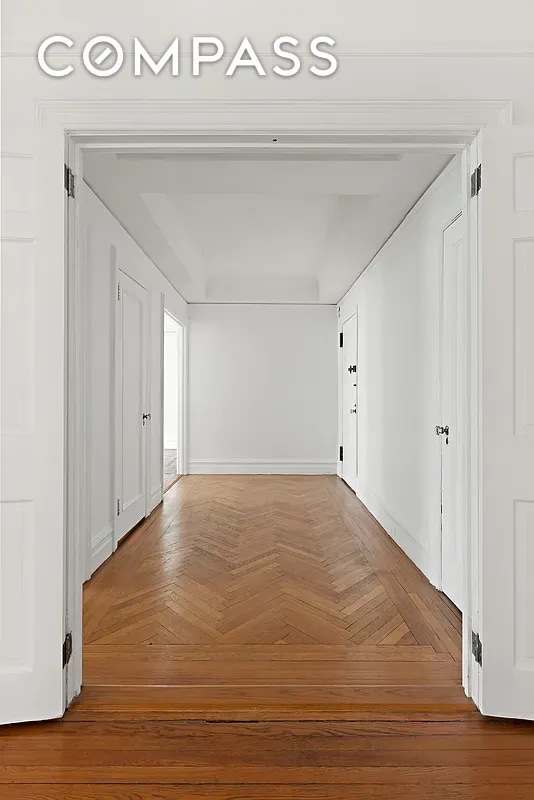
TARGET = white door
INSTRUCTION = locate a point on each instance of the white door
(453, 410)
(350, 401)
(131, 416)
(506, 209)
(32, 418)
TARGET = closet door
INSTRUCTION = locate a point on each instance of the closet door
(453, 368)
(131, 417)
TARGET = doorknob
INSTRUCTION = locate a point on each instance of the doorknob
(145, 417)
(353, 410)
(352, 368)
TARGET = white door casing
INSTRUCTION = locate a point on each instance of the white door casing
(506, 208)
(33, 202)
(131, 325)
(453, 337)
(350, 400)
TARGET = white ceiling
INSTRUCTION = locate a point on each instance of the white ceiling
(253, 229)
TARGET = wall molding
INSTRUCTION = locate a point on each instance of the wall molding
(101, 548)
(245, 466)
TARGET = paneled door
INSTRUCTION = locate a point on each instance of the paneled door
(32, 414)
(506, 210)
(350, 401)
(131, 415)
(453, 411)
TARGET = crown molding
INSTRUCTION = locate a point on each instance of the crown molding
(196, 116)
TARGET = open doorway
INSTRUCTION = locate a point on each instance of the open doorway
(252, 577)
(75, 448)
(172, 373)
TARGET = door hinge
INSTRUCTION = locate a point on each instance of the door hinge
(118, 507)
(67, 649)
(476, 181)
(69, 181)
(476, 648)
(341, 453)
(118, 291)
(341, 340)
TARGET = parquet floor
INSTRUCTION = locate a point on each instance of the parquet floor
(277, 608)
(266, 581)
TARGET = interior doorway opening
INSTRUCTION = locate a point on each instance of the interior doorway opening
(249, 575)
(172, 373)
(75, 564)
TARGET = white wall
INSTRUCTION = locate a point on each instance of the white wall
(397, 299)
(262, 388)
(106, 245)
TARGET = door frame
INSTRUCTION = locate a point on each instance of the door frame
(342, 383)
(463, 451)
(67, 127)
(180, 464)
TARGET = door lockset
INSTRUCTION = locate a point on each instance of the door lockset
(440, 430)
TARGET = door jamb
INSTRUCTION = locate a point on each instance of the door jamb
(342, 417)
(78, 124)
(180, 465)
(465, 450)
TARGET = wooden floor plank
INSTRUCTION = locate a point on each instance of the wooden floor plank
(415, 791)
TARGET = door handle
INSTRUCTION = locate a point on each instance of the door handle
(352, 368)
(440, 430)
(145, 417)
(353, 410)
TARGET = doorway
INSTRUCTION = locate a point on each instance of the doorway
(436, 118)
(131, 415)
(172, 393)
(245, 568)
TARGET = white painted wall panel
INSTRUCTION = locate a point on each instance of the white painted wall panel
(397, 299)
(107, 246)
(263, 388)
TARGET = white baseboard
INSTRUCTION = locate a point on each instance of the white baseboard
(101, 548)
(400, 533)
(208, 466)
(156, 496)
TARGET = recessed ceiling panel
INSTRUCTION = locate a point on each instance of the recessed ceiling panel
(261, 230)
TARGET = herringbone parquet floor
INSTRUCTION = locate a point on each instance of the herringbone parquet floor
(254, 584)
